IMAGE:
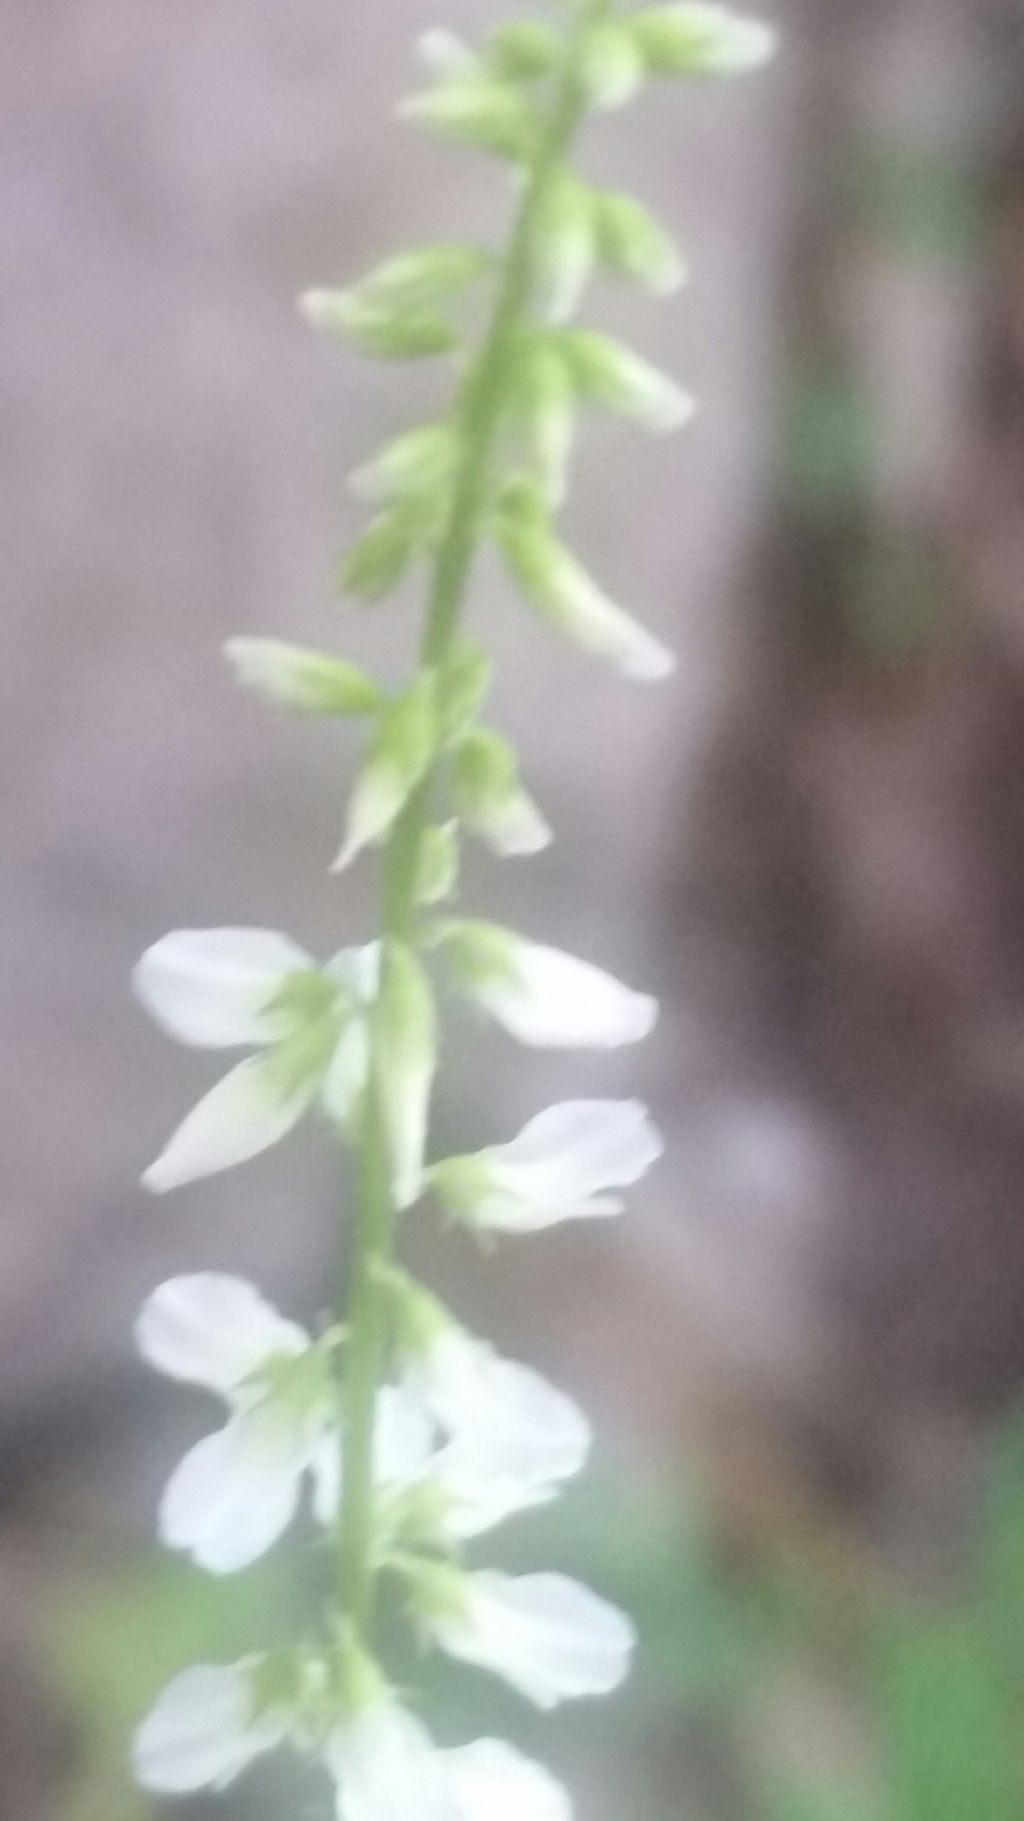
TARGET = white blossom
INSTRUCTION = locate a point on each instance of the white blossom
(206, 1728)
(236, 1491)
(491, 1781)
(555, 1169)
(403, 1447)
(512, 1438)
(548, 1636)
(387, 1768)
(228, 988)
(541, 995)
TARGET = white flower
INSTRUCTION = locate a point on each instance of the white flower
(555, 1169)
(387, 1768)
(512, 1437)
(222, 988)
(236, 1491)
(205, 1729)
(548, 1636)
(491, 1781)
(543, 996)
(219, 988)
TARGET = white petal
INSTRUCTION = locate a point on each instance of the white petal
(358, 969)
(248, 1111)
(514, 1437)
(555, 1001)
(202, 1733)
(387, 1769)
(214, 1330)
(211, 987)
(554, 1169)
(548, 1636)
(236, 1492)
(494, 1782)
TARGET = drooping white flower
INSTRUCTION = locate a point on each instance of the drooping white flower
(387, 1767)
(491, 1781)
(236, 1491)
(512, 1438)
(207, 1727)
(541, 995)
(227, 988)
(555, 1169)
(548, 1636)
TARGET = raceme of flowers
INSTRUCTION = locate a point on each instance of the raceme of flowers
(404, 1437)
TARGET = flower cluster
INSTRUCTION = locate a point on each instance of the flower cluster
(408, 1437)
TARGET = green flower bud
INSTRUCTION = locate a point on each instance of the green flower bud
(490, 799)
(420, 461)
(463, 689)
(405, 1061)
(424, 277)
(613, 67)
(608, 374)
(560, 588)
(378, 561)
(630, 241)
(546, 406)
(565, 249)
(438, 875)
(308, 681)
(399, 755)
(377, 330)
(490, 115)
(701, 40)
(522, 51)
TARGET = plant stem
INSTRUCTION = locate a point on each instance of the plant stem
(481, 410)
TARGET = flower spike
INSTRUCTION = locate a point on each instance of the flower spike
(405, 1436)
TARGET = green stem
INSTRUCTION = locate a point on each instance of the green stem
(482, 407)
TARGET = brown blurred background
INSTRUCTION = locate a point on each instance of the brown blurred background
(810, 1329)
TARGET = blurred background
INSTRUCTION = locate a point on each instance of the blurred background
(804, 1347)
